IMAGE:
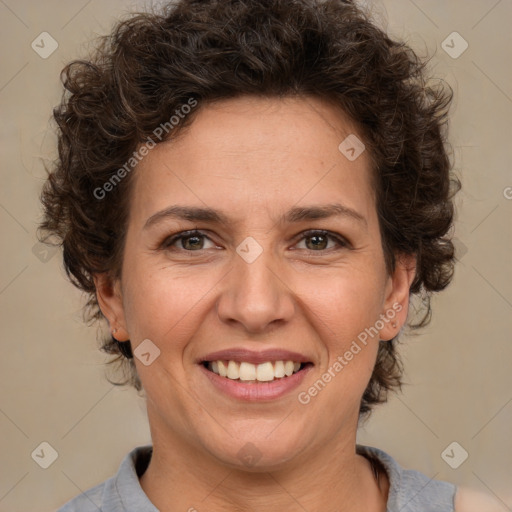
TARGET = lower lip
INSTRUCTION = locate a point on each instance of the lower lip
(256, 391)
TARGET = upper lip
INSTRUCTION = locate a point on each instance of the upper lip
(254, 357)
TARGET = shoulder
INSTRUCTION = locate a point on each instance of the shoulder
(470, 500)
(123, 488)
(89, 501)
(410, 490)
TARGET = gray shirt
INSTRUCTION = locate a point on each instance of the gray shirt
(409, 491)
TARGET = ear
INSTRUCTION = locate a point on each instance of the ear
(110, 299)
(396, 304)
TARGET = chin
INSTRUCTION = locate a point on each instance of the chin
(258, 453)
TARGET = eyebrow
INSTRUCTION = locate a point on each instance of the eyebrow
(295, 214)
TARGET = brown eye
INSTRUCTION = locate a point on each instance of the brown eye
(190, 241)
(318, 241)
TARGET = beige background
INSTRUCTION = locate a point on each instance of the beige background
(459, 379)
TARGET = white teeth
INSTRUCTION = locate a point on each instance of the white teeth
(264, 372)
(247, 371)
(223, 371)
(279, 369)
(233, 370)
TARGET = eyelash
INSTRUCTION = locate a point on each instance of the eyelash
(342, 243)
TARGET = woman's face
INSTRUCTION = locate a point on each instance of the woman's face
(263, 284)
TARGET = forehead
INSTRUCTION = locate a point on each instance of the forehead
(252, 153)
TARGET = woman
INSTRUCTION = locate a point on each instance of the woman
(251, 192)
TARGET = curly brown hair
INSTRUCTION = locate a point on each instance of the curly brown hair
(153, 63)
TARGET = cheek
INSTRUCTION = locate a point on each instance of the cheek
(337, 391)
(163, 303)
(345, 311)
(347, 301)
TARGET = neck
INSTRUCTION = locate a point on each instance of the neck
(181, 477)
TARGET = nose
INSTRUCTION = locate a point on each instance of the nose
(256, 295)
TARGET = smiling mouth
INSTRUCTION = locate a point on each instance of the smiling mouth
(253, 373)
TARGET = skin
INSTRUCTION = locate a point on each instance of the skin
(255, 158)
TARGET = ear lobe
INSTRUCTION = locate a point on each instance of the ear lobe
(396, 305)
(110, 300)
